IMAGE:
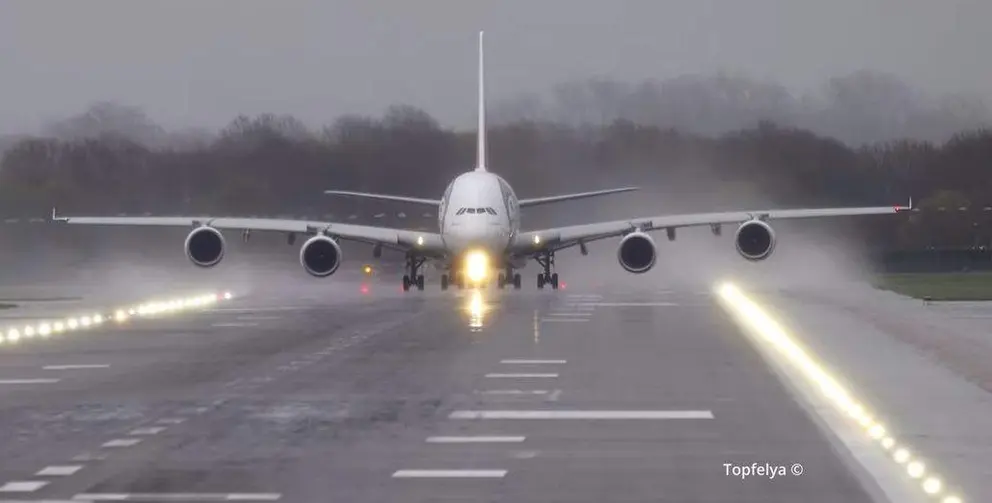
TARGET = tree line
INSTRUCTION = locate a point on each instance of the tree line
(273, 165)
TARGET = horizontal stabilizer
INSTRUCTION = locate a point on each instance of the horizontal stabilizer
(568, 197)
(385, 197)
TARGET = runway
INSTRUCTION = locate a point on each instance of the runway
(592, 395)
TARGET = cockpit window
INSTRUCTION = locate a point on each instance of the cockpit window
(471, 210)
(460, 211)
(480, 210)
(490, 211)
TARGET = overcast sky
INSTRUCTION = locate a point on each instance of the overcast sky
(321, 58)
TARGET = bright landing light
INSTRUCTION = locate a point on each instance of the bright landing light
(476, 266)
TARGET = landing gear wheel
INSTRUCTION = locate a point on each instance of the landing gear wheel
(501, 281)
(554, 281)
(444, 282)
(516, 281)
(412, 277)
(540, 281)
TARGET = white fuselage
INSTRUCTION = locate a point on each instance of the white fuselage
(479, 211)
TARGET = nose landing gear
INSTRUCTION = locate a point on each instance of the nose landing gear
(509, 278)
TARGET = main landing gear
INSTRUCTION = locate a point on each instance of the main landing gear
(448, 280)
(413, 277)
(508, 278)
(547, 261)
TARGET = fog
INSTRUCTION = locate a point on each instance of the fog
(199, 64)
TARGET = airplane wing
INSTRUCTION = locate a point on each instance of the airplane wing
(426, 243)
(565, 237)
(385, 197)
(569, 197)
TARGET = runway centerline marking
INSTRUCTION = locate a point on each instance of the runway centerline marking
(473, 439)
(60, 470)
(532, 362)
(498, 376)
(421, 474)
(171, 420)
(564, 320)
(574, 314)
(177, 497)
(23, 486)
(29, 381)
(234, 324)
(79, 366)
(581, 414)
(122, 442)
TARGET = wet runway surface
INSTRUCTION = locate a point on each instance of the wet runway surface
(586, 395)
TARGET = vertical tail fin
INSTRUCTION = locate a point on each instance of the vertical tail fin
(480, 162)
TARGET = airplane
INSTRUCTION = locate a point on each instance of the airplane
(479, 229)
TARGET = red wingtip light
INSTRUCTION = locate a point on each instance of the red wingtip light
(365, 289)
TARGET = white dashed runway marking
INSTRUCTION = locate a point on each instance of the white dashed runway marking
(581, 414)
(155, 430)
(513, 392)
(630, 304)
(511, 376)
(177, 497)
(534, 362)
(171, 420)
(122, 442)
(29, 381)
(572, 314)
(62, 470)
(74, 367)
(473, 440)
(564, 320)
(251, 324)
(434, 474)
(23, 486)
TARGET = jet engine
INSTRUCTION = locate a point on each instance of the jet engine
(320, 256)
(755, 240)
(205, 246)
(637, 252)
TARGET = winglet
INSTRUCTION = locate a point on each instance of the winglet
(480, 162)
(905, 208)
(56, 218)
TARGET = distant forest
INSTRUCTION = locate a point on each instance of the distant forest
(112, 159)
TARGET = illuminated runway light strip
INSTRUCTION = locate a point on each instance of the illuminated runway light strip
(581, 414)
(461, 474)
(754, 318)
(177, 497)
(45, 329)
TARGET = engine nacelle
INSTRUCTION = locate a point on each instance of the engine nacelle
(755, 240)
(205, 246)
(320, 256)
(637, 253)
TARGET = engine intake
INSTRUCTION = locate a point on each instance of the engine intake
(755, 240)
(205, 246)
(637, 253)
(320, 256)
